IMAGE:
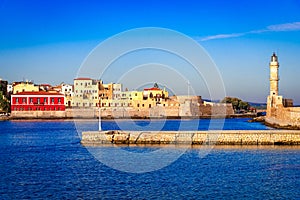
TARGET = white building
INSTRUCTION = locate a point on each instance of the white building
(86, 92)
(67, 90)
(117, 91)
(9, 88)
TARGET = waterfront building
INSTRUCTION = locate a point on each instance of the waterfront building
(37, 101)
(116, 90)
(110, 91)
(39, 104)
(149, 97)
(9, 88)
(25, 86)
(280, 111)
(67, 90)
(86, 92)
(45, 87)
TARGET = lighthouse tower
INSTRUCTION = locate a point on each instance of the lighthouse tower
(274, 100)
(274, 78)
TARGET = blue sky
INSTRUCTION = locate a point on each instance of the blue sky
(46, 41)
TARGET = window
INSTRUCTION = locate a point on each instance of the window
(45, 100)
(17, 100)
(52, 100)
(59, 100)
(38, 101)
(138, 105)
(30, 100)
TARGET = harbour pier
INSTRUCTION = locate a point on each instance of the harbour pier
(215, 137)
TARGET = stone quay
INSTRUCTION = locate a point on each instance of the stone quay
(212, 137)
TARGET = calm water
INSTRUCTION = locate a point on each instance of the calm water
(43, 160)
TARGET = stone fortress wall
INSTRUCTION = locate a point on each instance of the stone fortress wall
(183, 110)
(284, 116)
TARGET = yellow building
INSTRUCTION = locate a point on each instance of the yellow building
(24, 87)
(149, 98)
(110, 91)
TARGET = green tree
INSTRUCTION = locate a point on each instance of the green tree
(4, 104)
(244, 105)
(237, 103)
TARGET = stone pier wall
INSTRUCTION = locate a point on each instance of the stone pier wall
(231, 137)
(284, 116)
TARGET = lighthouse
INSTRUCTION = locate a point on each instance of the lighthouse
(280, 111)
(274, 78)
(274, 101)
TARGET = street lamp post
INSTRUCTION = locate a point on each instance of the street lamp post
(99, 115)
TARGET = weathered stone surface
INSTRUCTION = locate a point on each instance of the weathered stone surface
(228, 137)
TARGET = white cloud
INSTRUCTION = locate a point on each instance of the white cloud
(222, 36)
(285, 27)
(294, 26)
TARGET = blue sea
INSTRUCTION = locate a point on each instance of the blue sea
(45, 160)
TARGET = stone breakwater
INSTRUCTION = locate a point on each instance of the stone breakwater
(224, 137)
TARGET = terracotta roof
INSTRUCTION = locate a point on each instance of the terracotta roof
(152, 89)
(38, 93)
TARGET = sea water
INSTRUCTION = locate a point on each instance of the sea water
(45, 160)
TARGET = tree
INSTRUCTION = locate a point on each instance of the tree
(4, 104)
(244, 105)
(237, 103)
